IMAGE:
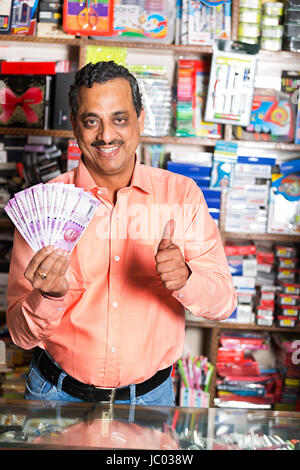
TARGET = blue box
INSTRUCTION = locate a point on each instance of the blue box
(213, 203)
(257, 160)
(189, 169)
(212, 193)
(201, 182)
(292, 166)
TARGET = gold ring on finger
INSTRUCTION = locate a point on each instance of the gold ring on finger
(42, 275)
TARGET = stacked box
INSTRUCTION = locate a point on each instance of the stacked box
(247, 200)
(266, 265)
(288, 300)
(243, 267)
(265, 310)
(288, 363)
(243, 381)
(249, 21)
(272, 29)
(292, 26)
(200, 171)
(265, 281)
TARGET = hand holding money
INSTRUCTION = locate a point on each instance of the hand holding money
(47, 269)
(51, 218)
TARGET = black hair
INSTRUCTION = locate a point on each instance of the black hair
(101, 72)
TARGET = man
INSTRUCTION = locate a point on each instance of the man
(107, 321)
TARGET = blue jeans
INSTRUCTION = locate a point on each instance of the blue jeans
(38, 388)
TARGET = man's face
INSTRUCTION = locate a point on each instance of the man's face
(107, 128)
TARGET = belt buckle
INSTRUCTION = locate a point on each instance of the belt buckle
(112, 395)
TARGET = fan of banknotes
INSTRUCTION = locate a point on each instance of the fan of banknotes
(52, 214)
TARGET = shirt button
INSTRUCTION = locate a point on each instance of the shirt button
(115, 304)
(113, 349)
(59, 309)
(117, 258)
(180, 296)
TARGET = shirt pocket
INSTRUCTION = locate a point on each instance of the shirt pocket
(144, 265)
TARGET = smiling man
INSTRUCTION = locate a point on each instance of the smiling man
(107, 322)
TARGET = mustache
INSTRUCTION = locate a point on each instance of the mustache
(101, 143)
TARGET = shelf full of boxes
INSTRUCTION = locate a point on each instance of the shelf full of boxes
(185, 142)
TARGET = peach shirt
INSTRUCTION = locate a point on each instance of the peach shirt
(117, 324)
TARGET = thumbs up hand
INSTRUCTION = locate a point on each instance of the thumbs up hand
(170, 263)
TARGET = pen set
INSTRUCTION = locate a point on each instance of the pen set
(202, 21)
(231, 83)
(195, 373)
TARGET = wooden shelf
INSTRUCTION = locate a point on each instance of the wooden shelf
(179, 140)
(178, 48)
(267, 145)
(261, 236)
(72, 41)
(279, 55)
(29, 131)
(238, 326)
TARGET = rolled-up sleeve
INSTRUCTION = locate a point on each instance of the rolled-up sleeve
(209, 290)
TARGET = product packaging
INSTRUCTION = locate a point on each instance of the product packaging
(231, 83)
(88, 17)
(284, 205)
(25, 101)
(5, 16)
(157, 98)
(24, 17)
(271, 119)
(143, 20)
(192, 83)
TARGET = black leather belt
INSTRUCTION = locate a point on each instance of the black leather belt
(90, 393)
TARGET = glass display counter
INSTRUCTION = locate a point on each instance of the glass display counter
(62, 425)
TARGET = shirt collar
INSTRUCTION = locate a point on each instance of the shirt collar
(140, 178)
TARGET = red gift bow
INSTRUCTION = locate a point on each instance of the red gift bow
(9, 101)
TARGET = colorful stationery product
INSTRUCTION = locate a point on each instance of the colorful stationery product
(88, 17)
(231, 83)
(272, 118)
(24, 17)
(290, 85)
(5, 16)
(192, 83)
(52, 214)
(242, 378)
(157, 98)
(297, 127)
(25, 101)
(143, 20)
(195, 373)
(207, 20)
(292, 26)
(249, 22)
(224, 160)
(99, 53)
(153, 155)
(272, 29)
(284, 205)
